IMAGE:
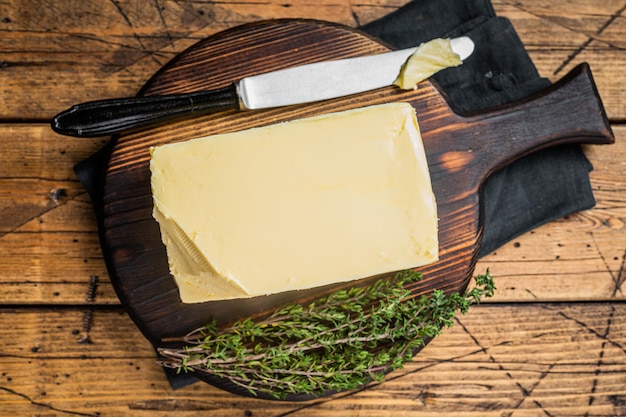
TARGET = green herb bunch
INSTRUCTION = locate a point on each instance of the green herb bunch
(339, 342)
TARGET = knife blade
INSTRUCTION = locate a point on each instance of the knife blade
(296, 85)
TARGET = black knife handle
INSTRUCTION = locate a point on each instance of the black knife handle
(106, 117)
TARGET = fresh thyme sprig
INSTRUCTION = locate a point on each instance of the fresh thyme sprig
(339, 342)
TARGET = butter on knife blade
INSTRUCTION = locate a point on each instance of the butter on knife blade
(296, 205)
(302, 84)
(428, 59)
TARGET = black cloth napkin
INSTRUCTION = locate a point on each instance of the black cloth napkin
(539, 188)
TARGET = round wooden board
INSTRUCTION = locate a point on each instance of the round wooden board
(461, 153)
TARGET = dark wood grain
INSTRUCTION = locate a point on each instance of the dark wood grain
(462, 152)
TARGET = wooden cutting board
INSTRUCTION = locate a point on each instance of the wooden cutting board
(461, 151)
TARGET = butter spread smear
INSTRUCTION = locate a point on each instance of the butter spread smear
(295, 205)
(428, 59)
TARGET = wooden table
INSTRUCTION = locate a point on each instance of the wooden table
(551, 342)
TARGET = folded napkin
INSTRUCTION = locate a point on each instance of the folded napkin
(538, 188)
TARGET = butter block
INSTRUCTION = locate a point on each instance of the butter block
(295, 205)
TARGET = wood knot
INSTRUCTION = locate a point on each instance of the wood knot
(58, 194)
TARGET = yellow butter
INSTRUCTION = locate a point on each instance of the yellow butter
(428, 59)
(295, 205)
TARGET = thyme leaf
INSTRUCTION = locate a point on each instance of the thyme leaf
(339, 342)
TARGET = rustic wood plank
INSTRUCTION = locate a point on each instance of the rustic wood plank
(535, 359)
(58, 56)
(559, 35)
(48, 232)
(35, 151)
(53, 57)
(52, 268)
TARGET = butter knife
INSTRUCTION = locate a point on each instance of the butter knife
(297, 85)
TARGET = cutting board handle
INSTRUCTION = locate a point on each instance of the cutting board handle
(570, 111)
